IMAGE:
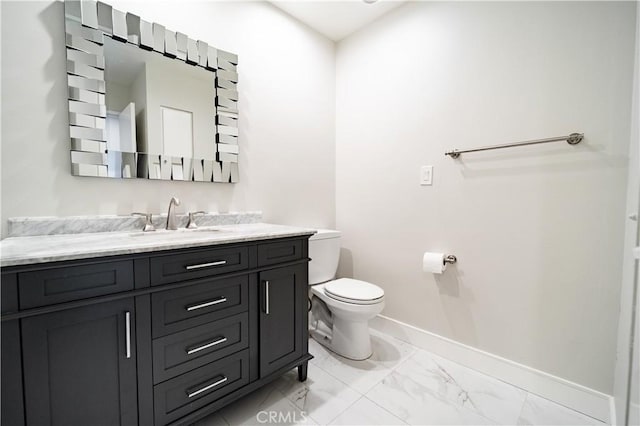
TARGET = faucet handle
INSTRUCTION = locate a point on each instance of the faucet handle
(192, 219)
(148, 226)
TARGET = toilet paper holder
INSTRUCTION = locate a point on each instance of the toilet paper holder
(450, 259)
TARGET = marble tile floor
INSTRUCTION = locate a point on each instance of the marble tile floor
(400, 384)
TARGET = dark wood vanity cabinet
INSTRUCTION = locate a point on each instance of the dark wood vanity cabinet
(79, 366)
(11, 394)
(12, 400)
(156, 338)
(283, 307)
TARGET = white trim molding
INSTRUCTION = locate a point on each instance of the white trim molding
(612, 411)
(572, 395)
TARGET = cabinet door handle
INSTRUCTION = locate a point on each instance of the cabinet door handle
(205, 304)
(206, 345)
(127, 326)
(206, 388)
(266, 297)
(206, 265)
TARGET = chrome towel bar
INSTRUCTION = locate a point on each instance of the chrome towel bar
(572, 139)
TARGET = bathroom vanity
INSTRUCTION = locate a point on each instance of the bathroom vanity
(130, 328)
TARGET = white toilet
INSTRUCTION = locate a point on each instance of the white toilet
(344, 306)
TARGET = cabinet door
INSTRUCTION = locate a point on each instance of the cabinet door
(283, 316)
(11, 392)
(80, 366)
(10, 359)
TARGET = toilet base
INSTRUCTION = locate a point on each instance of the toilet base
(349, 339)
(346, 324)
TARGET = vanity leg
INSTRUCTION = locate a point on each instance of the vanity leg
(302, 372)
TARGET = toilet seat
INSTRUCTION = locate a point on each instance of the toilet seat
(354, 291)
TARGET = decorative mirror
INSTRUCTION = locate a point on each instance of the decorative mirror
(148, 102)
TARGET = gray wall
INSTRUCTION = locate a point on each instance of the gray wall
(537, 230)
(287, 152)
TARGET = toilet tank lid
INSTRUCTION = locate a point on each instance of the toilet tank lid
(323, 234)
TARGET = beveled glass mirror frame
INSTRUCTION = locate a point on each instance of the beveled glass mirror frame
(86, 25)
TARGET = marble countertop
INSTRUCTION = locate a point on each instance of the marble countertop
(52, 248)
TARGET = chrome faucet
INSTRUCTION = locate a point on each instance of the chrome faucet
(171, 215)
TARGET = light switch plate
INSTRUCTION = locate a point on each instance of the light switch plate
(426, 175)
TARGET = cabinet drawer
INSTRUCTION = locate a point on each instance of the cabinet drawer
(57, 285)
(179, 309)
(278, 252)
(178, 397)
(180, 352)
(197, 264)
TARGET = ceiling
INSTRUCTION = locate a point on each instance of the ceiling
(336, 19)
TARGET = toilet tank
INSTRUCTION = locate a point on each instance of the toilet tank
(324, 251)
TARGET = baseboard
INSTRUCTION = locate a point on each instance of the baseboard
(612, 410)
(577, 397)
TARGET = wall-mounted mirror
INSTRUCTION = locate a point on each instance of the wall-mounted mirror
(147, 102)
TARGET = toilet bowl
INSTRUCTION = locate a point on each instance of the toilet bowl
(343, 306)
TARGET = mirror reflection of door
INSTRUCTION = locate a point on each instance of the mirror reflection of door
(121, 136)
(177, 137)
(128, 128)
(177, 132)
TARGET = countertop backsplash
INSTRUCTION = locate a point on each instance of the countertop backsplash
(33, 226)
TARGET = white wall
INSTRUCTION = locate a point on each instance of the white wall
(629, 289)
(537, 230)
(287, 118)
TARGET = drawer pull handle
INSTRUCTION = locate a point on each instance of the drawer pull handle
(206, 345)
(127, 326)
(206, 388)
(206, 265)
(205, 304)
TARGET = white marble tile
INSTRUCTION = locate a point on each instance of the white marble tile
(540, 411)
(214, 419)
(363, 375)
(482, 394)
(266, 405)
(366, 412)
(318, 351)
(417, 404)
(322, 397)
